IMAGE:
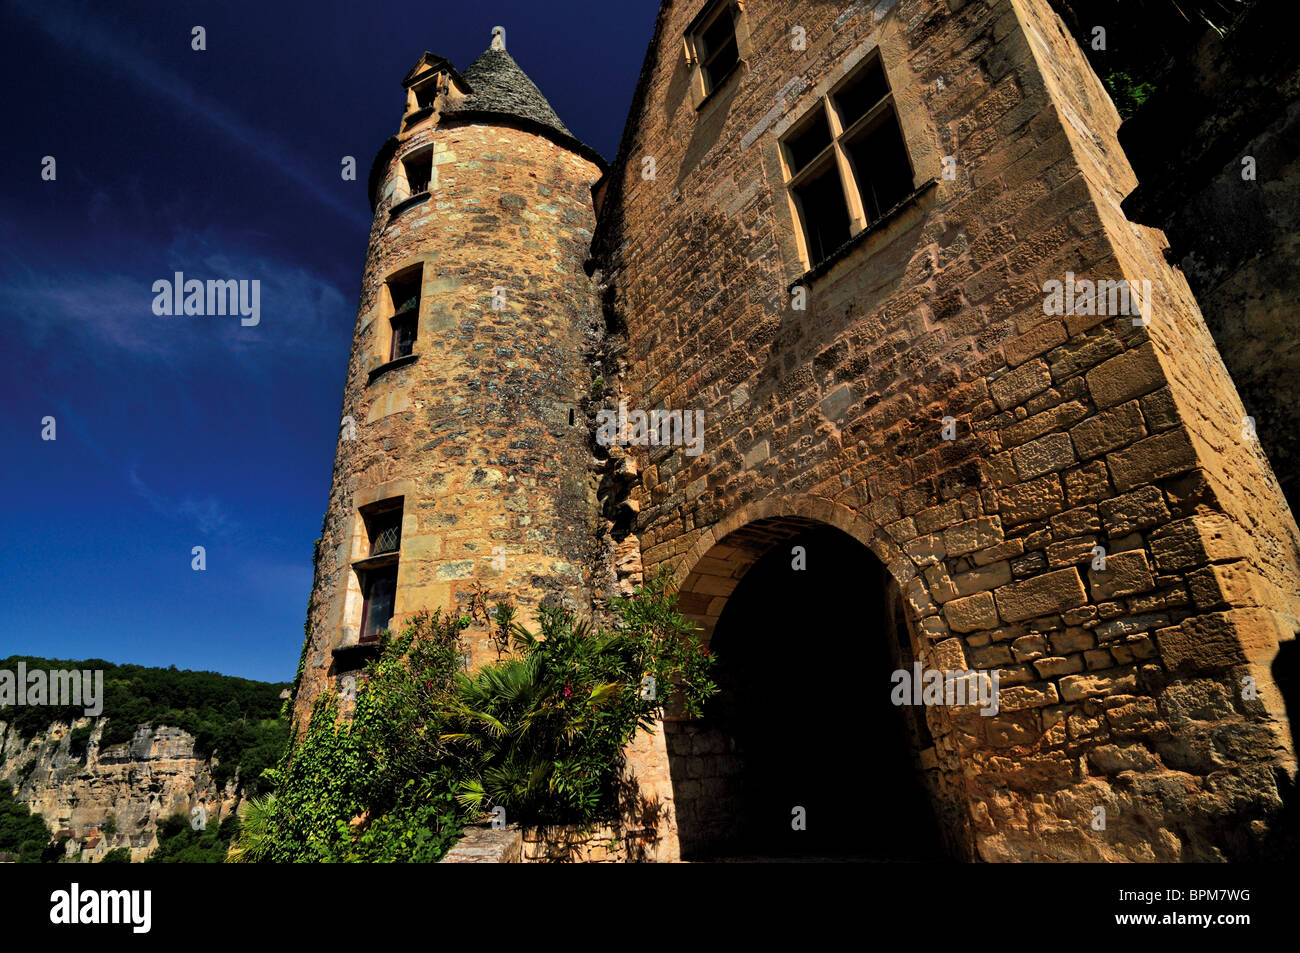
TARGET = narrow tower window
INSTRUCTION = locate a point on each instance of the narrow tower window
(419, 170)
(404, 295)
(377, 572)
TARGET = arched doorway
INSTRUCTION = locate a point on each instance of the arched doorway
(802, 754)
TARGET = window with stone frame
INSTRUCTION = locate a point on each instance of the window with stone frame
(712, 44)
(419, 172)
(846, 162)
(404, 298)
(377, 571)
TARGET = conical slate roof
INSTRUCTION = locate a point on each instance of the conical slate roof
(501, 87)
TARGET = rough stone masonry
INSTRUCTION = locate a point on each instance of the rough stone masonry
(828, 383)
(1145, 689)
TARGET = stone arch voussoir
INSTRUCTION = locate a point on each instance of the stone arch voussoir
(707, 573)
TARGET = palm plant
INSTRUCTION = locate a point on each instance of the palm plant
(527, 731)
(253, 843)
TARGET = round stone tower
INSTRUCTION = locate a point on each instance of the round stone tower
(463, 448)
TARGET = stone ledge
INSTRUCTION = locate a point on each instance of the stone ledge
(378, 372)
(483, 844)
(418, 199)
(823, 266)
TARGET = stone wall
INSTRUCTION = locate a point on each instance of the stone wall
(597, 844)
(1120, 689)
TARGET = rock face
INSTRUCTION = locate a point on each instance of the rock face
(154, 775)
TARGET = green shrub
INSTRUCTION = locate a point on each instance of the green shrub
(540, 733)
(23, 772)
(78, 741)
(1127, 93)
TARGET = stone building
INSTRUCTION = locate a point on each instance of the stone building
(959, 416)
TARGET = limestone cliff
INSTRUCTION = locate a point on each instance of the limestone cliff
(156, 774)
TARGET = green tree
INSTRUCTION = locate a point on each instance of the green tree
(23, 833)
(239, 720)
(179, 843)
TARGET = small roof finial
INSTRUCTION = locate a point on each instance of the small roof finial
(498, 38)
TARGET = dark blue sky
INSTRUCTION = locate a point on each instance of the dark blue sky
(175, 432)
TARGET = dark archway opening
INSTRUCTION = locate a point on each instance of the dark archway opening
(804, 719)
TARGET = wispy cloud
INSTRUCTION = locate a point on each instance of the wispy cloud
(107, 314)
(77, 28)
(208, 515)
(68, 311)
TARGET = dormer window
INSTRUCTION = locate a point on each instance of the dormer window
(846, 162)
(430, 77)
(404, 298)
(712, 43)
(421, 97)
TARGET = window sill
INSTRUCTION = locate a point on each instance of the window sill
(382, 561)
(382, 369)
(418, 199)
(357, 652)
(825, 265)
